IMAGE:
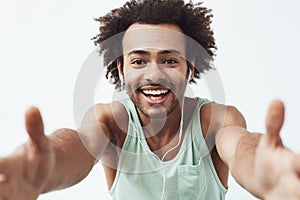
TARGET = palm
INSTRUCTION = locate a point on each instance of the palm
(24, 173)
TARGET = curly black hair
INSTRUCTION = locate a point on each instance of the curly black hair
(193, 19)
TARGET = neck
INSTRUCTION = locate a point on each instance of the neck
(162, 134)
(162, 127)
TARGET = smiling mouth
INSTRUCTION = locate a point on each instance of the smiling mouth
(155, 95)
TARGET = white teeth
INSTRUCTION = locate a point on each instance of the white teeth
(155, 98)
(155, 92)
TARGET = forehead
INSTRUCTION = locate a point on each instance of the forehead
(158, 37)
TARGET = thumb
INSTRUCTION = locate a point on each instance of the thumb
(274, 122)
(296, 164)
(34, 124)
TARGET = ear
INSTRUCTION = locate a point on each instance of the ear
(120, 67)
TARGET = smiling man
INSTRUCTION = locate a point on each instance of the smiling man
(156, 143)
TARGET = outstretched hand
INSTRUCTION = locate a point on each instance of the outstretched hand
(277, 169)
(24, 173)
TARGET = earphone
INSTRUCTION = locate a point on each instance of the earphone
(167, 152)
(190, 75)
(122, 83)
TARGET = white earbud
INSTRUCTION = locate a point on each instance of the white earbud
(122, 84)
(190, 75)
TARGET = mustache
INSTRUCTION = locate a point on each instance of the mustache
(162, 83)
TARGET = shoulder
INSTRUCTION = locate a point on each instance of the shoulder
(112, 116)
(220, 115)
(216, 116)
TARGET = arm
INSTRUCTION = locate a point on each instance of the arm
(72, 160)
(237, 148)
(259, 162)
(47, 163)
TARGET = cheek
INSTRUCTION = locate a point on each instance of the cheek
(133, 76)
(177, 76)
(132, 79)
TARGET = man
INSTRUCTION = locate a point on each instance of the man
(158, 125)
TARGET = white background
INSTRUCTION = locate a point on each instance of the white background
(43, 45)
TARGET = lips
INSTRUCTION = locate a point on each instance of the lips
(155, 95)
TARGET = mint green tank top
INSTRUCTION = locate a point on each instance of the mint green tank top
(190, 175)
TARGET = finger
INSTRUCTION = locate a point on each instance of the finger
(3, 177)
(274, 122)
(296, 164)
(5, 189)
(5, 163)
(34, 124)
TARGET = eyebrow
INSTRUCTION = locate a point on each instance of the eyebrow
(169, 51)
(143, 52)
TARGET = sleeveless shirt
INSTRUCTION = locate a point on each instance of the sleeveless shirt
(190, 175)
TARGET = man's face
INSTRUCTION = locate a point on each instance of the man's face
(154, 68)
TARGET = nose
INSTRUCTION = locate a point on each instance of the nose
(154, 72)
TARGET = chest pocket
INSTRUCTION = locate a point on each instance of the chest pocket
(192, 184)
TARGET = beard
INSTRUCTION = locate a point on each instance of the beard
(157, 111)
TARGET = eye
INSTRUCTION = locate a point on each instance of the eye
(170, 62)
(138, 62)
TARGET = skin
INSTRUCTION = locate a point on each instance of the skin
(149, 67)
(259, 162)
